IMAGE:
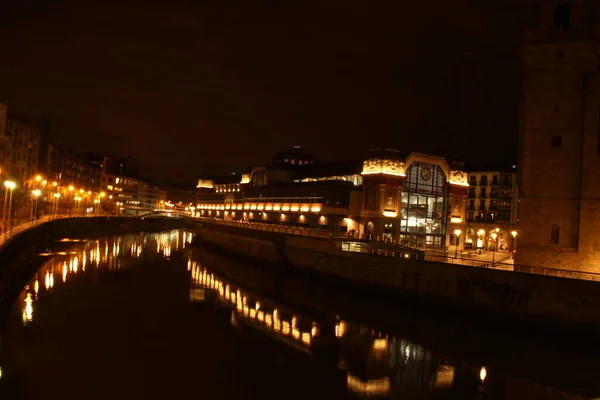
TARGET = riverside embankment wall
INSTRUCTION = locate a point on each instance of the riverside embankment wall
(527, 297)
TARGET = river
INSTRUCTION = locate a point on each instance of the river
(149, 317)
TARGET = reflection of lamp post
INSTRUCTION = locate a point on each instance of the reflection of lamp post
(10, 185)
(494, 236)
(514, 245)
(457, 233)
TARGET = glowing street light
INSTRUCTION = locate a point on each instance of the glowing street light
(457, 233)
(483, 374)
(514, 244)
(55, 203)
(36, 194)
(494, 236)
(10, 185)
(38, 178)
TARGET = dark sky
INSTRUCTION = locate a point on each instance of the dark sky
(210, 86)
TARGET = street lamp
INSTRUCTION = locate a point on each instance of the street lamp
(36, 193)
(514, 235)
(10, 185)
(457, 233)
(77, 204)
(55, 203)
(494, 236)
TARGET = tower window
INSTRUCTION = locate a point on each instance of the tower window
(556, 141)
(562, 16)
(554, 234)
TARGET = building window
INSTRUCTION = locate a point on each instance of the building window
(555, 234)
(424, 207)
(483, 181)
(556, 142)
(562, 16)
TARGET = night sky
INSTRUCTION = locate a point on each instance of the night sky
(212, 86)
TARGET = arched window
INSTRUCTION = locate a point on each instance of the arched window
(554, 234)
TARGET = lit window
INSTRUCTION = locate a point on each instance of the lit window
(110, 187)
(117, 180)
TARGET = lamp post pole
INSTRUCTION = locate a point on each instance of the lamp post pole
(494, 237)
(10, 205)
(514, 245)
(36, 194)
(457, 233)
(4, 211)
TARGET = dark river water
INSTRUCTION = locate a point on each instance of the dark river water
(148, 317)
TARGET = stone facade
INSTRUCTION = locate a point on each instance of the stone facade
(559, 154)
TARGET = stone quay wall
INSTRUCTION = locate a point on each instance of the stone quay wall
(547, 301)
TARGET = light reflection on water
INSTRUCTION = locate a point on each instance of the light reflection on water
(386, 355)
(67, 265)
(375, 363)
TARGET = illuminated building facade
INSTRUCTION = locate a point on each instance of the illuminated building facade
(23, 149)
(132, 195)
(69, 168)
(492, 204)
(416, 199)
(559, 149)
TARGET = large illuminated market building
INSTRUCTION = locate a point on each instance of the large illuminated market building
(417, 199)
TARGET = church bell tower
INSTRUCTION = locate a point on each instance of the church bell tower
(559, 146)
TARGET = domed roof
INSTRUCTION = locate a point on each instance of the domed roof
(295, 156)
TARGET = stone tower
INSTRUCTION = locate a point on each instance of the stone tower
(559, 147)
